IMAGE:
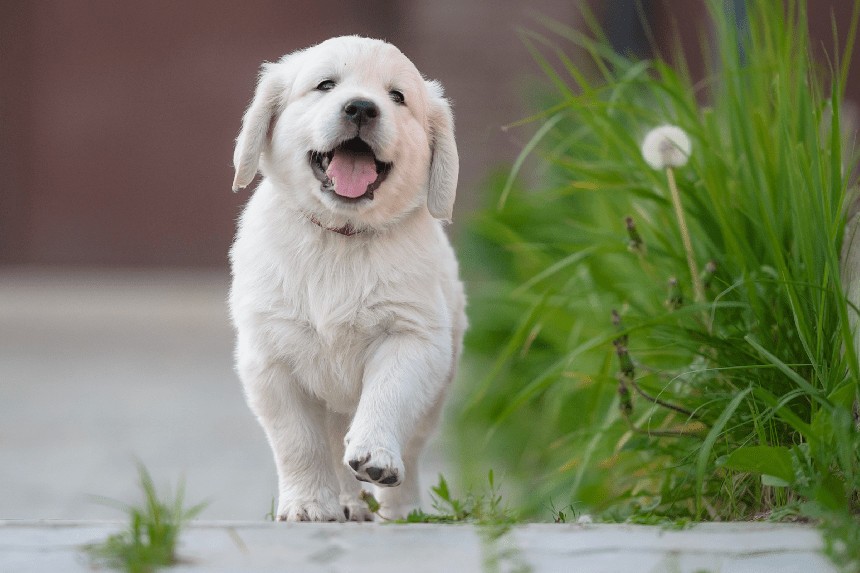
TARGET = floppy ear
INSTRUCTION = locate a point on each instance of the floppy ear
(445, 163)
(271, 90)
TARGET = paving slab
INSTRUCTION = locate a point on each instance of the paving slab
(40, 546)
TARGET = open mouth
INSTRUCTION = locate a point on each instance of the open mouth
(350, 171)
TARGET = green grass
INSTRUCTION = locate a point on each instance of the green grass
(151, 539)
(581, 382)
(484, 507)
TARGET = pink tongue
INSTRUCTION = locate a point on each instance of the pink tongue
(351, 173)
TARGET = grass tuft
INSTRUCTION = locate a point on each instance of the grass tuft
(151, 539)
(481, 508)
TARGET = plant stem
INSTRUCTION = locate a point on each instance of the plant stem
(698, 289)
(660, 402)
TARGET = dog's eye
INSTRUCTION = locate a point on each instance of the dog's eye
(326, 85)
(397, 97)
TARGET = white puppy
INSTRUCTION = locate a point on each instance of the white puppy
(346, 298)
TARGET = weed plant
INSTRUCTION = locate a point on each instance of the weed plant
(597, 375)
(482, 508)
(152, 536)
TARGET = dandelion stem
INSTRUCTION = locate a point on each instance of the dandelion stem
(698, 288)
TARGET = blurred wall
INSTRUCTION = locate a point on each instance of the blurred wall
(117, 119)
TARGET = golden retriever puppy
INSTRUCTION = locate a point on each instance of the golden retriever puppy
(346, 299)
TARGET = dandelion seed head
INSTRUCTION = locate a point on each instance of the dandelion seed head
(666, 146)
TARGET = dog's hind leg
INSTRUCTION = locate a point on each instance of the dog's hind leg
(354, 508)
(397, 502)
(295, 423)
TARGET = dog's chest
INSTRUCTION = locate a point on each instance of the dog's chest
(326, 320)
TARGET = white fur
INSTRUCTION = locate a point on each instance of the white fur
(345, 344)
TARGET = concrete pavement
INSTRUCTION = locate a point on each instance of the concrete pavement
(308, 547)
(100, 368)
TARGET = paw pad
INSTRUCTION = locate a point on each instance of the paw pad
(381, 467)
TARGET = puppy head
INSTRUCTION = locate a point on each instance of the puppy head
(352, 133)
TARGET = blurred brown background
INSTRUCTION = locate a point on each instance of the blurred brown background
(117, 119)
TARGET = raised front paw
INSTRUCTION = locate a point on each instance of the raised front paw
(375, 465)
(309, 510)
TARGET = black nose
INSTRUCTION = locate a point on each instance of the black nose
(360, 111)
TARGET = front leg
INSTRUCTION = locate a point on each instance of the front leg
(403, 380)
(294, 423)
